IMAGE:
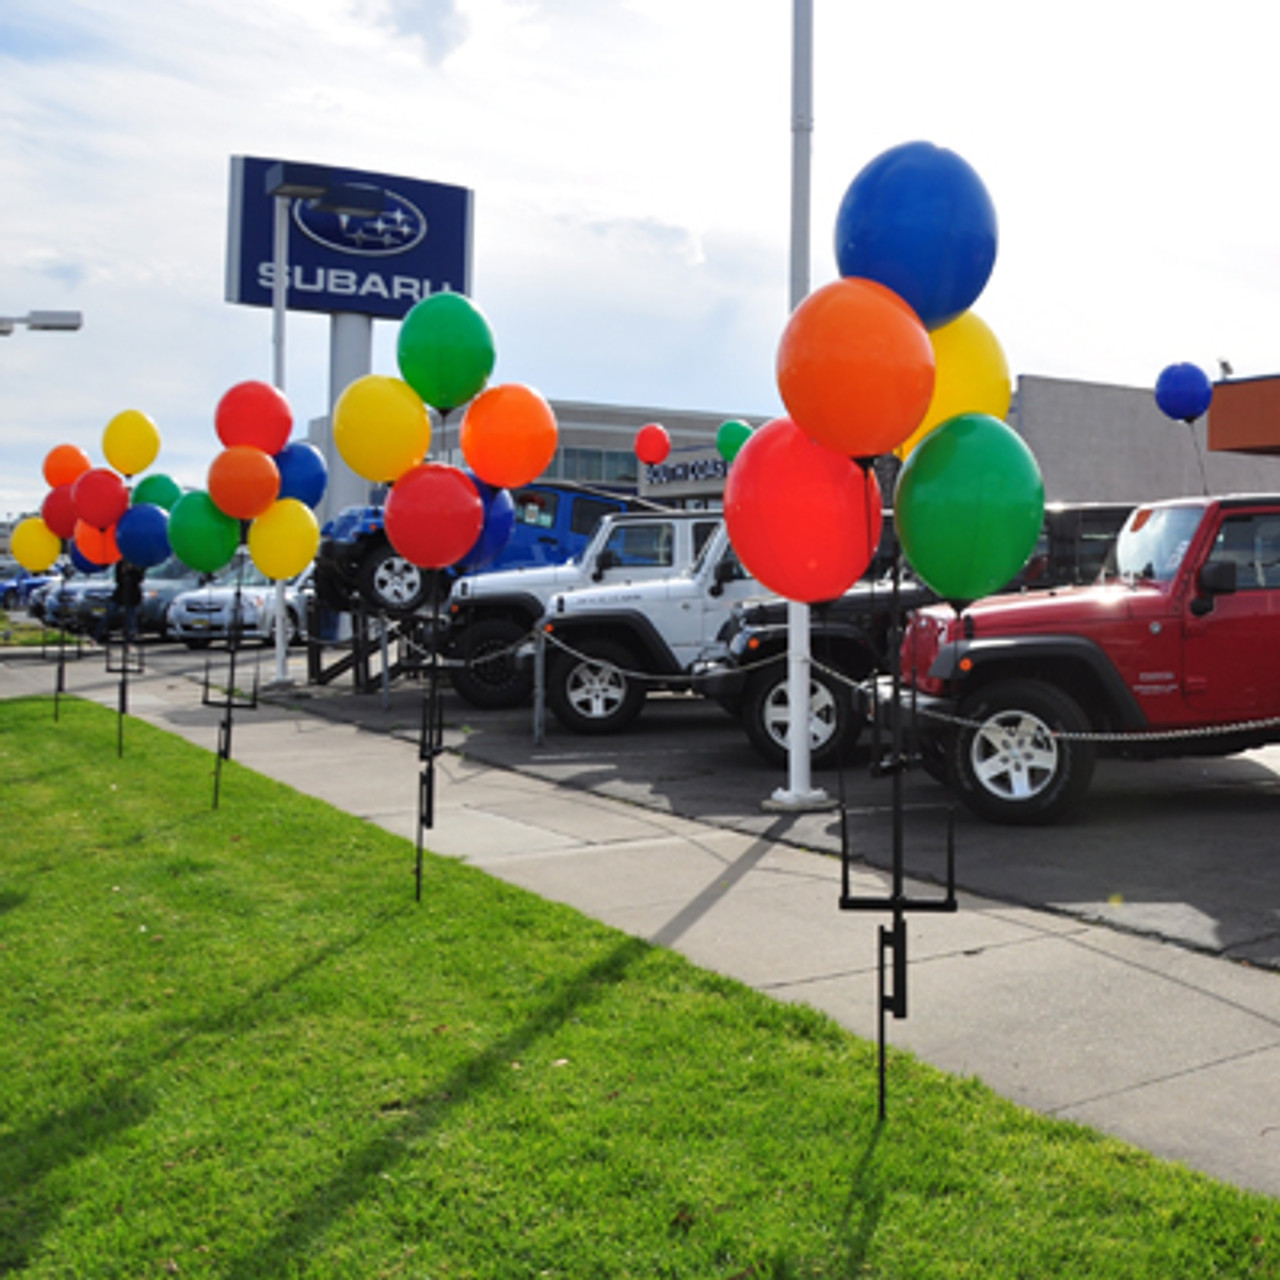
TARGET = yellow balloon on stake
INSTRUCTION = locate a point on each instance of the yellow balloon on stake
(130, 442)
(284, 539)
(34, 545)
(381, 427)
(972, 376)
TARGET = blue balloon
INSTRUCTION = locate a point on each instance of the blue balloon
(495, 533)
(81, 562)
(303, 473)
(1183, 391)
(142, 534)
(919, 220)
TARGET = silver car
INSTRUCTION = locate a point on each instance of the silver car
(201, 616)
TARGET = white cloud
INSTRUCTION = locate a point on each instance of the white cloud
(631, 162)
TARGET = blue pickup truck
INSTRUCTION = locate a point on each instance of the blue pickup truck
(553, 523)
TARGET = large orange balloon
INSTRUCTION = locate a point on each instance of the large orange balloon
(65, 464)
(97, 545)
(243, 481)
(509, 435)
(855, 368)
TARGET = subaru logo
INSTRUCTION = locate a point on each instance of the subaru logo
(397, 226)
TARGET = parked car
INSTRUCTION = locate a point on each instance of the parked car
(60, 606)
(18, 586)
(201, 616)
(159, 589)
(553, 522)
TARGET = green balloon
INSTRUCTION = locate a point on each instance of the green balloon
(159, 490)
(202, 536)
(445, 350)
(969, 506)
(730, 437)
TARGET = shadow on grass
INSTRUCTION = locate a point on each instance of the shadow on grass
(11, 900)
(27, 1210)
(31, 1155)
(355, 1177)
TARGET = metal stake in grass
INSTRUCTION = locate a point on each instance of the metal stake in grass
(430, 740)
(892, 997)
(129, 658)
(229, 701)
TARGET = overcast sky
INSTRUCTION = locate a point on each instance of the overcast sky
(631, 166)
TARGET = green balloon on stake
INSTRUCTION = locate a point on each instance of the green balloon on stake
(445, 350)
(969, 506)
(159, 490)
(202, 536)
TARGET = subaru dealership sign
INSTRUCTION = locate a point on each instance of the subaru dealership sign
(412, 239)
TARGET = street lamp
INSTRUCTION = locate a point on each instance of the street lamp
(286, 182)
(47, 320)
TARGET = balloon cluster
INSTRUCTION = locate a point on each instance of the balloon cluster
(890, 358)
(89, 509)
(438, 515)
(260, 489)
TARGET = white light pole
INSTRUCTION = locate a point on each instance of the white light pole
(285, 183)
(799, 792)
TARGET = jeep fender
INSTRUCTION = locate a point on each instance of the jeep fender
(630, 627)
(964, 664)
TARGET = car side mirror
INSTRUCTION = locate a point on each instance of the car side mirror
(608, 559)
(725, 571)
(1217, 578)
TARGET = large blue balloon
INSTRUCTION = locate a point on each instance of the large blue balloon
(919, 220)
(1183, 391)
(142, 534)
(303, 473)
(495, 533)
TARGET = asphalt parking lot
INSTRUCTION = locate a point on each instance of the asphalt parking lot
(1184, 850)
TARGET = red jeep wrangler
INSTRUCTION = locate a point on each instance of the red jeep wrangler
(1175, 650)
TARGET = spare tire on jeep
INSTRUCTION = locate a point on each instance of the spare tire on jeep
(389, 583)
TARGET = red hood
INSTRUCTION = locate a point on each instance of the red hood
(1065, 608)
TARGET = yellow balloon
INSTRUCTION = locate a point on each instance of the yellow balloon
(130, 442)
(972, 376)
(284, 539)
(34, 545)
(381, 427)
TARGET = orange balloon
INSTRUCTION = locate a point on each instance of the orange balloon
(97, 545)
(65, 464)
(509, 435)
(243, 481)
(855, 368)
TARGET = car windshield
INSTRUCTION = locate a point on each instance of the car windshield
(246, 574)
(1153, 542)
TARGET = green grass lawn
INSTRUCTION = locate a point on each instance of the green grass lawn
(234, 1046)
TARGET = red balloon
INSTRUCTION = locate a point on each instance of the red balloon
(243, 481)
(98, 546)
(433, 516)
(254, 413)
(652, 444)
(65, 464)
(101, 497)
(804, 520)
(856, 368)
(58, 511)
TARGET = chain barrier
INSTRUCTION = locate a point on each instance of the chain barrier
(1235, 728)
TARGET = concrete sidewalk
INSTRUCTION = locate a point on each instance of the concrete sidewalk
(1171, 1050)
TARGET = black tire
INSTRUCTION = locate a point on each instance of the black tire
(10, 599)
(834, 723)
(391, 584)
(196, 643)
(594, 693)
(1010, 767)
(490, 679)
(291, 632)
